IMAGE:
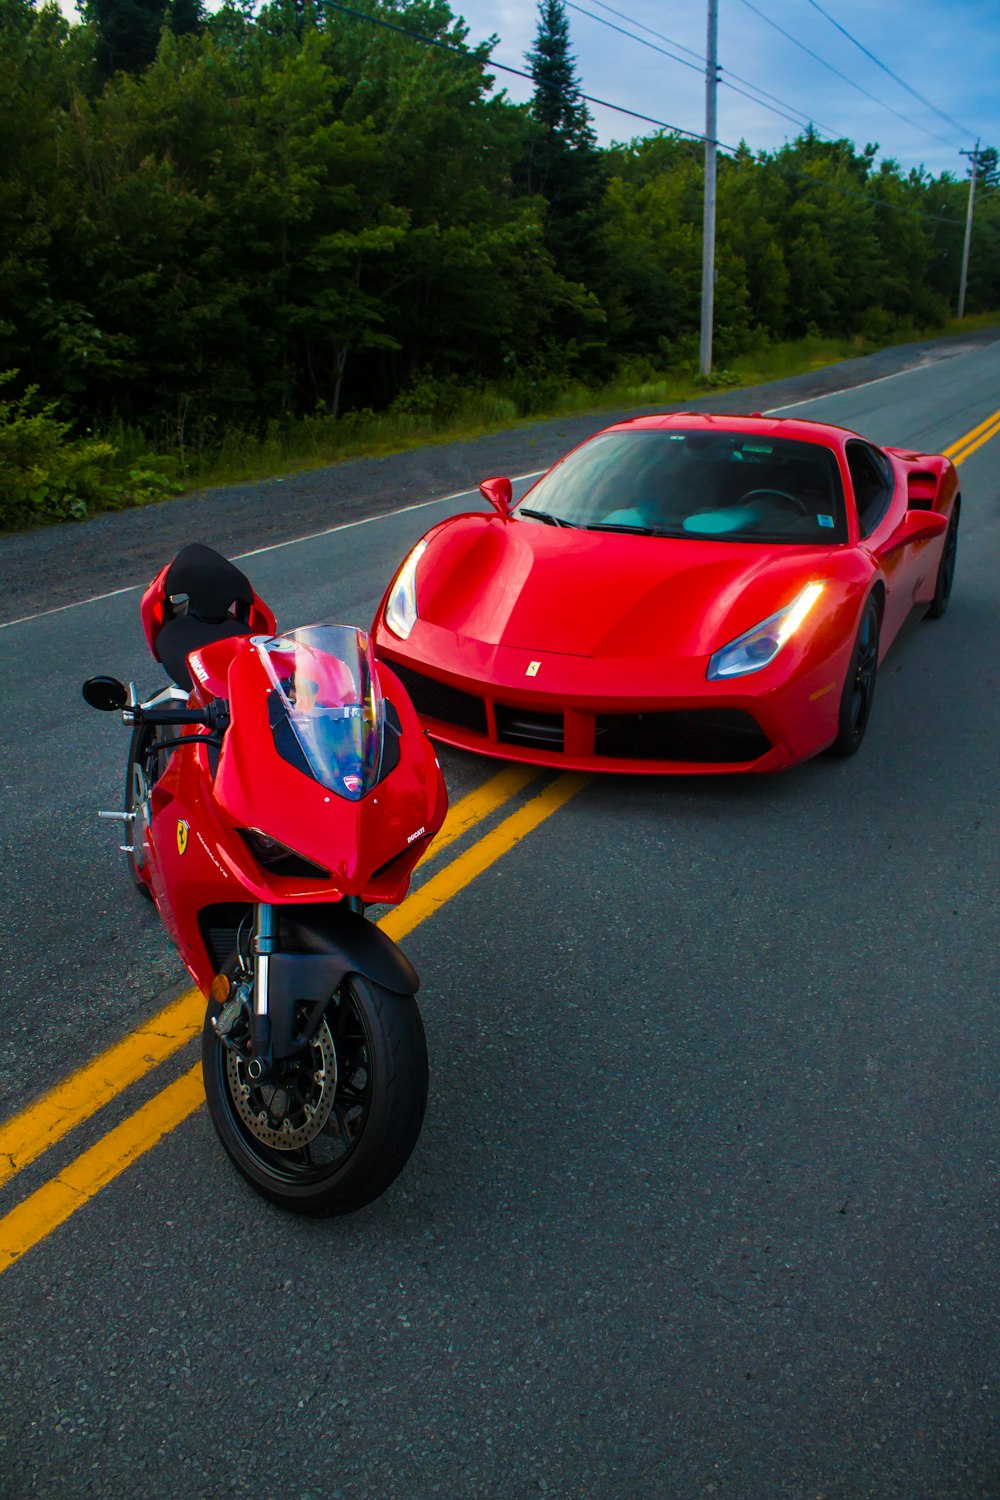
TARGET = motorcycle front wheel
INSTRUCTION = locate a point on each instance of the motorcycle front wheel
(337, 1123)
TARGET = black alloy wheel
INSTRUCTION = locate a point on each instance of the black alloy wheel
(946, 569)
(338, 1122)
(859, 686)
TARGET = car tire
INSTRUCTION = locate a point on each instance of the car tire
(946, 569)
(859, 685)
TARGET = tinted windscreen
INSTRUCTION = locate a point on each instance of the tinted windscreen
(727, 486)
(325, 706)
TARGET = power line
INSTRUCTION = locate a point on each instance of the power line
(642, 27)
(694, 135)
(901, 81)
(430, 41)
(799, 117)
(843, 76)
(726, 72)
(697, 67)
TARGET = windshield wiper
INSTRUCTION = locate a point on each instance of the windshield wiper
(634, 530)
(622, 526)
(544, 515)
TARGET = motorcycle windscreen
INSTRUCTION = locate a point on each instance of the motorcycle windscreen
(326, 708)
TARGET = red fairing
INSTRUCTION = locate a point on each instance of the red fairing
(197, 861)
(153, 609)
(566, 645)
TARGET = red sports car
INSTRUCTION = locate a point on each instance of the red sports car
(680, 593)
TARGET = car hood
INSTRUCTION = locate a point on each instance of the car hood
(603, 594)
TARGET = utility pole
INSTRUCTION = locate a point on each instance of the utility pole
(968, 228)
(708, 231)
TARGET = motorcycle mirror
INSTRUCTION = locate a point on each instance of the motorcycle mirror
(105, 693)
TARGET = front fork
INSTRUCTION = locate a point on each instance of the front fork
(262, 946)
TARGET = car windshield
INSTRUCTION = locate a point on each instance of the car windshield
(325, 706)
(727, 486)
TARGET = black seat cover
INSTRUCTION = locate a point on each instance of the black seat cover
(219, 597)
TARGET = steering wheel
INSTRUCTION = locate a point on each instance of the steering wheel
(799, 506)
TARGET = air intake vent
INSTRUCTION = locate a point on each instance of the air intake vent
(708, 735)
(524, 726)
(436, 700)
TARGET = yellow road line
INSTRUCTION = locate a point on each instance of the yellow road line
(83, 1179)
(54, 1202)
(28, 1134)
(91, 1087)
(960, 450)
(433, 894)
(478, 804)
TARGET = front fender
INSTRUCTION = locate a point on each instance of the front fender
(327, 942)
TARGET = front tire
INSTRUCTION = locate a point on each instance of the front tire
(371, 1051)
(859, 685)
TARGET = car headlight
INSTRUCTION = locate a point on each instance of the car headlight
(401, 605)
(758, 647)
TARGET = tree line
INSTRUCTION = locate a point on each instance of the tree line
(216, 222)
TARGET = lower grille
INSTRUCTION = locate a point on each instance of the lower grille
(522, 726)
(436, 700)
(696, 734)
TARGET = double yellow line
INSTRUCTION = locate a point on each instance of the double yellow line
(968, 444)
(30, 1133)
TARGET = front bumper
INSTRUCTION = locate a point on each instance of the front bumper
(640, 715)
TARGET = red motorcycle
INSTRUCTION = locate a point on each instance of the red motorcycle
(276, 788)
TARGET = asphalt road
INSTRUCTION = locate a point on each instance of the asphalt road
(706, 1198)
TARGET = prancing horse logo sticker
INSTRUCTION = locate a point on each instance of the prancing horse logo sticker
(182, 836)
(532, 669)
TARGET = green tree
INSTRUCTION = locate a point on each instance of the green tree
(564, 166)
(128, 32)
(186, 17)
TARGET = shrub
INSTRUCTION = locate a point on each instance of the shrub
(45, 474)
(48, 475)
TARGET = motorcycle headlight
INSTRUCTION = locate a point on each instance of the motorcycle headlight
(401, 605)
(758, 647)
(278, 858)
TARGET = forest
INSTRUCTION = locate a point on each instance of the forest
(213, 227)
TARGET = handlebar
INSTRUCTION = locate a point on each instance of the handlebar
(215, 716)
(167, 715)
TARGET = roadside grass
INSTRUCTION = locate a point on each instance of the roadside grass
(313, 442)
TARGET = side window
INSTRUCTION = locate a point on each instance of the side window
(871, 478)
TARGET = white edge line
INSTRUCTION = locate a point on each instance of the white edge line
(94, 599)
(847, 389)
(312, 536)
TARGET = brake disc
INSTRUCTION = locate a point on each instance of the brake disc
(286, 1114)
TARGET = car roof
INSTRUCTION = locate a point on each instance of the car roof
(757, 423)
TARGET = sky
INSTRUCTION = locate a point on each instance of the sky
(947, 50)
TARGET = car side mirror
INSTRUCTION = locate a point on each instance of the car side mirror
(105, 693)
(916, 526)
(500, 494)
